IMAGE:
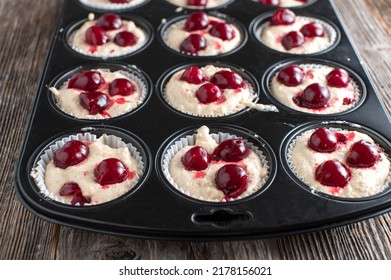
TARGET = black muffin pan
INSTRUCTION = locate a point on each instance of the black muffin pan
(154, 209)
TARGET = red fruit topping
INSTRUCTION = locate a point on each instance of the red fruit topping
(283, 17)
(93, 101)
(315, 96)
(196, 21)
(363, 154)
(231, 150)
(86, 80)
(72, 153)
(95, 36)
(78, 198)
(338, 78)
(109, 22)
(196, 159)
(291, 76)
(125, 39)
(69, 189)
(193, 75)
(232, 180)
(323, 141)
(199, 3)
(110, 171)
(208, 93)
(121, 87)
(222, 30)
(193, 44)
(333, 173)
(120, 1)
(312, 29)
(270, 2)
(292, 40)
(227, 79)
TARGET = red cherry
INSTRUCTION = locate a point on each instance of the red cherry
(323, 140)
(120, 1)
(86, 80)
(292, 40)
(125, 39)
(95, 36)
(283, 17)
(69, 189)
(208, 93)
(79, 199)
(312, 29)
(196, 21)
(72, 153)
(109, 22)
(270, 2)
(227, 79)
(196, 159)
(193, 75)
(199, 3)
(193, 44)
(363, 154)
(333, 173)
(315, 96)
(291, 76)
(110, 171)
(232, 180)
(222, 30)
(121, 87)
(93, 101)
(231, 150)
(338, 78)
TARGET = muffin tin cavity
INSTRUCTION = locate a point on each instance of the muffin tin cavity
(210, 110)
(285, 3)
(67, 101)
(286, 100)
(138, 26)
(137, 167)
(259, 148)
(331, 32)
(173, 35)
(350, 133)
(211, 4)
(107, 5)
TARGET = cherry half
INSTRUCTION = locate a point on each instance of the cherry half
(196, 159)
(192, 44)
(86, 80)
(312, 29)
(121, 87)
(270, 2)
(198, 3)
(333, 173)
(222, 30)
(323, 140)
(283, 17)
(120, 1)
(125, 39)
(363, 154)
(96, 36)
(208, 93)
(74, 189)
(227, 79)
(315, 96)
(193, 75)
(109, 22)
(110, 171)
(338, 78)
(93, 101)
(72, 153)
(196, 21)
(292, 40)
(232, 180)
(291, 76)
(231, 150)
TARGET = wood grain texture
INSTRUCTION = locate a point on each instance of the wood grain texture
(24, 236)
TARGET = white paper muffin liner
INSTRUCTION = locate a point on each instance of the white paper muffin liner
(39, 169)
(306, 66)
(111, 6)
(132, 76)
(333, 35)
(292, 144)
(218, 137)
(293, 5)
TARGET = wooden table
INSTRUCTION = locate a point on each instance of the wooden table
(26, 29)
